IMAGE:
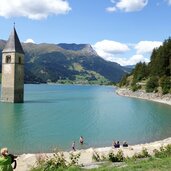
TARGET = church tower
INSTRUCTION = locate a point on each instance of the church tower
(12, 86)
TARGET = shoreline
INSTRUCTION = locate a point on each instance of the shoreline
(141, 94)
(26, 161)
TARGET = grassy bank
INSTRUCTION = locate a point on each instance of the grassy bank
(143, 161)
(151, 164)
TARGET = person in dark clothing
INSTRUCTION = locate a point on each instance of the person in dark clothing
(117, 144)
(125, 144)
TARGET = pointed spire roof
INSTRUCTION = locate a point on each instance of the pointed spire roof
(13, 44)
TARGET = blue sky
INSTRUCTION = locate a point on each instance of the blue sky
(124, 31)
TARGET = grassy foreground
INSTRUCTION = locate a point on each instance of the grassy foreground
(143, 161)
(151, 164)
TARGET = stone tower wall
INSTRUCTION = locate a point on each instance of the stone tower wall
(12, 77)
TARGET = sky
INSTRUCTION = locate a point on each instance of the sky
(122, 31)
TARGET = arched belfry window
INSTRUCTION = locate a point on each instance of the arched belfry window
(8, 59)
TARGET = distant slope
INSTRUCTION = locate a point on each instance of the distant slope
(67, 63)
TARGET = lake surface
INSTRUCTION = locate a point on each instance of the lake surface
(56, 115)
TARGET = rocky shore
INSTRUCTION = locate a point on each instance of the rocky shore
(157, 97)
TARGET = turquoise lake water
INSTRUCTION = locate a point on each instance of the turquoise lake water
(56, 115)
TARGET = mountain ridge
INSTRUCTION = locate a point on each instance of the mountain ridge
(67, 63)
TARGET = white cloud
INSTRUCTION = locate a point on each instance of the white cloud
(33, 9)
(131, 5)
(126, 61)
(29, 41)
(128, 5)
(135, 59)
(117, 52)
(108, 47)
(144, 47)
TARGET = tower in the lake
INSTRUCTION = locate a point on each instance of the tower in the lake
(12, 86)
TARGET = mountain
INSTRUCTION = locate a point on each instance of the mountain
(67, 63)
(128, 68)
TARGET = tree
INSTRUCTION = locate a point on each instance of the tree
(140, 72)
(152, 84)
(123, 81)
(165, 83)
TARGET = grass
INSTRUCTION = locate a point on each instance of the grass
(60, 169)
(151, 164)
(77, 67)
(161, 161)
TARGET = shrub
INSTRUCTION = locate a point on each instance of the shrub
(40, 159)
(165, 83)
(119, 157)
(143, 154)
(123, 81)
(168, 149)
(163, 152)
(57, 162)
(136, 87)
(74, 159)
(152, 84)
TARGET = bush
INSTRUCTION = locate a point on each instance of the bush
(152, 84)
(74, 159)
(144, 154)
(57, 162)
(123, 81)
(119, 157)
(163, 152)
(165, 83)
(136, 87)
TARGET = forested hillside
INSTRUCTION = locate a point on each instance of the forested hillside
(155, 76)
(67, 63)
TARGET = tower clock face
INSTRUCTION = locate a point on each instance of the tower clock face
(7, 69)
